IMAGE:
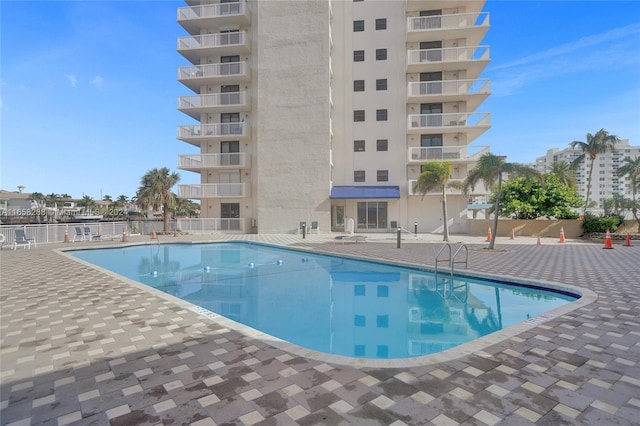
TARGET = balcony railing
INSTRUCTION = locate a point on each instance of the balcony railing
(212, 101)
(448, 88)
(212, 130)
(411, 188)
(446, 153)
(212, 190)
(451, 54)
(471, 26)
(213, 11)
(206, 41)
(451, 122)
(236, 160)
(212, 70)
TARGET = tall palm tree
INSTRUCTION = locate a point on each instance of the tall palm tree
(565, 173)
(631, 169)
(600, 143)
(53, 198)
(435, 175)
(122, 199)
(489, 169)
(155, 192)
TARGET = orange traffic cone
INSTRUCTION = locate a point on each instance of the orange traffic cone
(153, 234)
(66, 236)
(538, 243)
(513, 234)
(562, 235)
(627, 242)
(489, 235)
(607, 241)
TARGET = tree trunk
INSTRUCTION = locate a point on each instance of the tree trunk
(444, 214)
(496, 210)
(586, 203)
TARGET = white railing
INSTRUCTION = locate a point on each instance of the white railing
(212, 70)
(211, 130)
(212, 40)
(212, 190)
(211, 10)
(211, 225)
(442, 153)
(209, 161)
(457, 119)
(449, 54)
(449, 87)
(453, 21)
(212, 100)
(45, 233)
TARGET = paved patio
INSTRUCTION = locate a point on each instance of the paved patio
(80, 346)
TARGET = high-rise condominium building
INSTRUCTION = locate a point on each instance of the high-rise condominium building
(325, 110)
(605, 181)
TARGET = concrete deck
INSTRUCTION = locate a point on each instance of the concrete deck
(80, 346)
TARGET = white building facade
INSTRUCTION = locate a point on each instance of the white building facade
(324, 111)
(605, 181)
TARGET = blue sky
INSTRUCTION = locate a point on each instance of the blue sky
(89, 91)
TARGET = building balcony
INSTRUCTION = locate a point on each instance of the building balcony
(473, 92)
(195, 134)
(411, 189)
(470, 26)
(195, 47)
(198, 162)
(466, 5)
(472, 123)
(453, 154)
(213, 103)
(196, 76)
(473, 59)
(196, 17)
(213, 190)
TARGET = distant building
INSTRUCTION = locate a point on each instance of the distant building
(604, 180)
(325, 111)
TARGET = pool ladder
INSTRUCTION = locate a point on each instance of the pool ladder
(452, 260)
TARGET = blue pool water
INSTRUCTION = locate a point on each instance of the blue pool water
(329, 304)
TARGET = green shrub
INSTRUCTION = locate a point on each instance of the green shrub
(597, 224)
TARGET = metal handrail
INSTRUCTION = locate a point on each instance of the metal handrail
(455, 255)
(452, 258)
(438, 260)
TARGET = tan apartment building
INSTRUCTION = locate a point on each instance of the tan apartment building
(324, 111)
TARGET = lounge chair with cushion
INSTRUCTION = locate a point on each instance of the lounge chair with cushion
(21, 239)
(88, 235)
(79, 235)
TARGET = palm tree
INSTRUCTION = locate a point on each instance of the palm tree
(122, 200)
(435, 175)
(565, 173)
(155, 192)
(489, 170)
(599, 143)
(631, 169)
(86, 201)
(53, 198)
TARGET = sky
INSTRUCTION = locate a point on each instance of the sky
(88, 89)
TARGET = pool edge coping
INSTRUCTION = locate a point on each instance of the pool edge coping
(475, 346)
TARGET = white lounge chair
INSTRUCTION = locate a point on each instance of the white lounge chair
(351, 238)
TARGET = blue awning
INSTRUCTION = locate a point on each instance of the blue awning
(364, 192)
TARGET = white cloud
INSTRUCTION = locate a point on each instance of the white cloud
(97, 81)
(72, 79)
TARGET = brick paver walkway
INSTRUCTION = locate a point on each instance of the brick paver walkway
(80, 346)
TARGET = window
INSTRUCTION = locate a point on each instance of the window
(358, 26)
(358, 85)
(358, 175)
(383, 175)
(358, 55)
(358, 115)
(358, 146)
(381, 84)
(382, 145)
(381, 54)
(381, 115)
(381, 24)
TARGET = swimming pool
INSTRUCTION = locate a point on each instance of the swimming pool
(330, 304)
